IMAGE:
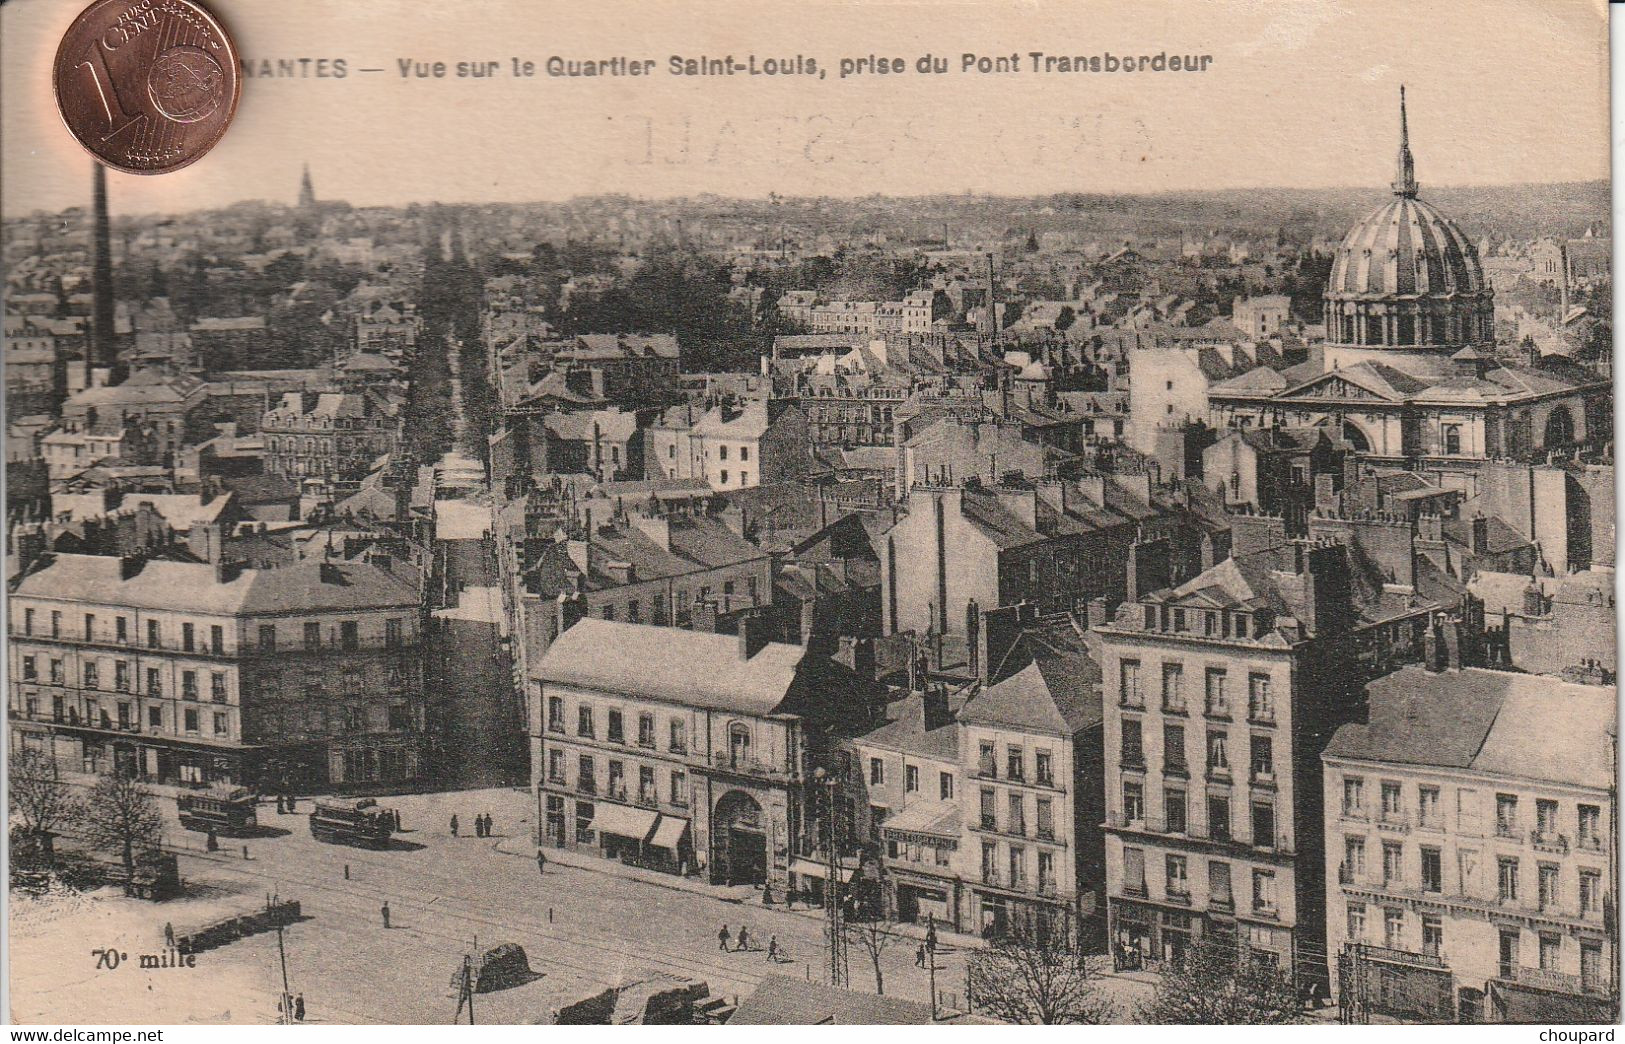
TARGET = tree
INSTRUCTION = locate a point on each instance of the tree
(1215, 984)
(39, 800)
(874, 938)
(1037, 972)
(122, 815)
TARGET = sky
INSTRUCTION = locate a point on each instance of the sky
(1299, 93)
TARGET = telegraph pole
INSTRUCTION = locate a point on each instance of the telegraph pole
(286, 1007)
(832, 898)
(931, 959)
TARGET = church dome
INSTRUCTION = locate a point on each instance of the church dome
(1407, 277)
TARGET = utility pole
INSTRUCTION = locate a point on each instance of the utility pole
(832, 884)
(931, 959)
(285, 1009)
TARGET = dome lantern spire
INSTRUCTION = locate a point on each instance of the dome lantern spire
(1405, 169)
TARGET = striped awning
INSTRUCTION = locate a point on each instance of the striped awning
(623, 820)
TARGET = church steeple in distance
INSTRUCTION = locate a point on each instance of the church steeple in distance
(307, 193)
(1405, 168)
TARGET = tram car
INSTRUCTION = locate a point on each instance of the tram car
(352, 822)
(227, 812)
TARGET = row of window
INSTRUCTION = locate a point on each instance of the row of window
(1260, 763)
(1215, 691)
(1176, 881)
(615, 781)
(1015, 819)
(191, 638)
(322, 721)
(1430, 876)
(657, 602)
(1015, 763)
(1176, 815)
(127, 716)
(911, 779)
(123, 680)
(676, 736)
(1396, 936)
(1011, 871)
(1551, 825)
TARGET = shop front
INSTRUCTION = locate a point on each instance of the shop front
(623, 830)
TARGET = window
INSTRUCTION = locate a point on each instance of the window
(985, 763)
(153, 634)
(1218, 817)
(28, 621)
(1218, 884)
(1452, 439)
(586, 774)
(191, 719)
(1393, 803)
(1015, 764)
(1173, 748)
(56, 624)
(1591, 967)
(616, 730)
(155, 717)
(1590, 893)
(217, 687)
(268, 637)
(392, 634)
(1017, 823)
(1129, 676)
(1393, 929)
(584, 722)
(1045, 768)
(57, 677)
(1263, 760)
(349, 635)
(1173, 804)
(722, 452)
(1018, 866)
(1264, 891)
(911, 779)
(1173, 688)
(121, 629)
(1467, 869)
(1432, 870)
(744, 453)
(220, 726)
(1260, 703)
(679, 787)
(90, 627)
(1134, 871)
(1218, 701)
(1133, 751)
(313, 636)
(155, 686)
(188, 637)
(1356, 922)
(1551, 951)
(91, 680)
(1046, 871)
(1133, 801)
(1393, 862)
(945, 786)
(555, 766)
(1545, 818)
(1046, 819)
(1263, 824)
(1546, 885)
(555, 714)
(724, 476)
(1506, 815)
(1353, 860)
(679, 742)
(217, 639)
(1427, 807)
(646, 785)
(1509, 952)
(877, 772)
(188, 685)
(1178, 883)
(584, 815)
(30, 670)
(1590, 826)
(989, 819)
(1353, 797)
(1218, 756)
(1507, 879)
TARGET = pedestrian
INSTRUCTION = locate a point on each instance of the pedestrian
(919, 956)
(488, 825)
(743, 943)
(299, 1008)
(454, 824)
(169, 935)
(722, 938)
(480, 823)
(385, 912)
(773, 948)
(398, 827)
(541, 861)
(279, 809)
(212, 843)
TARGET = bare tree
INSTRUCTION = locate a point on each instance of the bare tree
(874, 938)
(122, 815)
(1037, 972)
(40, 801)
(1216, 983)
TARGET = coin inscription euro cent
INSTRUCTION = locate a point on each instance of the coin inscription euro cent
(147, 86)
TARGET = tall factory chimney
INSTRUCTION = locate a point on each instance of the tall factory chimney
(990, 318)
(104, 344)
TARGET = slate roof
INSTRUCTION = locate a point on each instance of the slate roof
(906, 733)
(1056, 693)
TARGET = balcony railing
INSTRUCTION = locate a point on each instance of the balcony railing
(1557, 982)
(1394, 823)
(1588, 843)
(749, 766)
(991, 876)
(1395, 956)
(1183, 898)
(1551, 842)
(1506, 832)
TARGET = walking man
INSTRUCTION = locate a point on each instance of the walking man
(299, 1008)
(169, 935)
(743, 943)
(454, 824)
(541, 862)
(919, 956)
(773, 948)
(384, 910)
(488, 826)
(722, 938)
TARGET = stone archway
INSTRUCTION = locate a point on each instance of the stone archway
(1559, 428)
(738, 840)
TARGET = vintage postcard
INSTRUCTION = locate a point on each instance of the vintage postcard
(805, 513)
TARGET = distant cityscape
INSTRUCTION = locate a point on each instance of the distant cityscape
(1169, 590)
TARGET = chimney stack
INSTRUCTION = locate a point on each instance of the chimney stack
(937, 714)
(752, 635)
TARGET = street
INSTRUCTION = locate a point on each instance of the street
(582, 929)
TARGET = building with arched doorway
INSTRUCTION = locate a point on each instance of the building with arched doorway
(1410, 373)
(689, 751)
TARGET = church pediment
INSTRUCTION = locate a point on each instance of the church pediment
(1342, 386)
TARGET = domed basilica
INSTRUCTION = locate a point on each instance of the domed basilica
(1410, 372)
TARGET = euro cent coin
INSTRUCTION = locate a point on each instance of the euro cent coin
(147, 86)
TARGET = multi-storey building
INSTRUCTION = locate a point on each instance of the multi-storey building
(328, 435)
(687, 750)
(195, 672)
(1470, 850)
(1219, 697)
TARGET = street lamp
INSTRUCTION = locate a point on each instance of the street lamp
(931, 959)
